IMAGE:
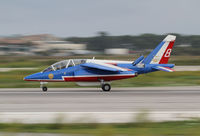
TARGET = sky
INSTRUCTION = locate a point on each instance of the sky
(66, 18)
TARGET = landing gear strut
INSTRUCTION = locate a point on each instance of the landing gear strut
(105, 86)
(42, 85)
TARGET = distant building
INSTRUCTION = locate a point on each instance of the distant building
(117, 51)
(15, 49)
(57, 48)
(58, 45)
(184, 45)
(43, 44)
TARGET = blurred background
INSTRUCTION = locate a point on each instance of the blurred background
(22, 55)
(35, 34)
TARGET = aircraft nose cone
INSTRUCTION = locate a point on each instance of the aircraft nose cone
(27, 78)
(32, 77)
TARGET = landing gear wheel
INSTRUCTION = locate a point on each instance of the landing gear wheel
(106, 87)
(44, 88)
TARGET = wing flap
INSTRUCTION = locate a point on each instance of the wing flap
(166, 69)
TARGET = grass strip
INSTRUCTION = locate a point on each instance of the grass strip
(183, 128)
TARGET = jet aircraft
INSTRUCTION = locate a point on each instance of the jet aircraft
(89, 72)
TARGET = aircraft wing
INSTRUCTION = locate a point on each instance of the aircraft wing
(166, 69)
(104, 66)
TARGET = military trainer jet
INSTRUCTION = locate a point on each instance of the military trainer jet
(102, 72)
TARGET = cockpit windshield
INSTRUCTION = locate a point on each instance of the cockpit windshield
(64, 64)
(48, 69)
(60, 65)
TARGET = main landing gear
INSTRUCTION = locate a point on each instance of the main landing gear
(105, 86)
(43, 86)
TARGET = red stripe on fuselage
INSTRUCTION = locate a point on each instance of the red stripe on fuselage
(84, 78)
(96, 78)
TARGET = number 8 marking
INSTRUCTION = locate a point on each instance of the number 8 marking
(167, 54)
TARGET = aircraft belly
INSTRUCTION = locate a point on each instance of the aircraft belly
(88, 83)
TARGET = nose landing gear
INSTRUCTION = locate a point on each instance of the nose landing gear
(44, 88)
(42, 85)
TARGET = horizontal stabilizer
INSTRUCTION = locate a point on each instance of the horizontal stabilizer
(166, 69)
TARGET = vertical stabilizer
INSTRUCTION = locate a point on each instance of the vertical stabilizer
(161, 54)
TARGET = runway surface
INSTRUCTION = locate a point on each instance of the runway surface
(94, 100)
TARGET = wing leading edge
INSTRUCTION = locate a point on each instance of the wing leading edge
(105, 67)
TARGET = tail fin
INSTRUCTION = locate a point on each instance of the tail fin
(161, 54)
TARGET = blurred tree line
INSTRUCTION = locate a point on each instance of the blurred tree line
(140, 42)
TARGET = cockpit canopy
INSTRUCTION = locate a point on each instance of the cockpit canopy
(64, 64)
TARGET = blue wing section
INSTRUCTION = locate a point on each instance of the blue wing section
(100, 67)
